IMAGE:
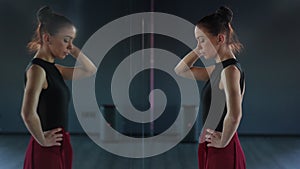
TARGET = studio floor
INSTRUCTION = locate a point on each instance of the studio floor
(262, 152)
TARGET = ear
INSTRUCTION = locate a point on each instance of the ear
(221, 38)
(47, 38)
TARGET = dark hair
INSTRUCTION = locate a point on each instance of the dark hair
(220, 22)
(48, 22)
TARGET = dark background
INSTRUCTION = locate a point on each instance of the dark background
(268, 29)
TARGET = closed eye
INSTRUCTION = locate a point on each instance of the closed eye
(200, 39)
(66, 40)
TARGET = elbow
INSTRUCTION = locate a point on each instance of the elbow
(177, 70)
(235, 119)
(26, 117)
(93, 70)
(182, 70)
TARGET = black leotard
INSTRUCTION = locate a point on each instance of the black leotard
(219, 101)
(53, 101)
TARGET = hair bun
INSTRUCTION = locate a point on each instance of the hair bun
(44, 13)
(225, 13)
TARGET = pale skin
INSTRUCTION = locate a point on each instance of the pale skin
(56, 46)
(215, 47)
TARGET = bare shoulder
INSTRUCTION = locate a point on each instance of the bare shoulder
(231, 73)
(35, 71)
(230, 77)
(36, 77)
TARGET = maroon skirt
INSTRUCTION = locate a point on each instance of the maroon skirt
(230, 157)
(55, 157)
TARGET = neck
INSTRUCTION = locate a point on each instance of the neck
(45, 55)
(224, 55)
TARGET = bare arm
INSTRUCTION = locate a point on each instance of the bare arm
(231, 84)
(186, 69)
(36, 80)
(86, 69)
(234, 103)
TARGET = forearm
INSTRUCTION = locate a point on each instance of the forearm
(230, 126)
(33, 125)
(85, 63)
(187, 62)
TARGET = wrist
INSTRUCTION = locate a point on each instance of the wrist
(41, 142)
(223, 143)
(75, 52)
(197, 52)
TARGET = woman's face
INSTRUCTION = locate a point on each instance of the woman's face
(206, 43)
(61, 43)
